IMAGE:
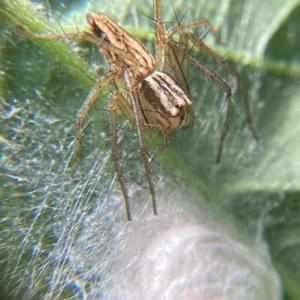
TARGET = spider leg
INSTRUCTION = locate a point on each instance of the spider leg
(200, 44)
(159, 36)
(225, 87)
(183, 28)
(175, 64)
(99, 84)
(137, 110)
(122, 101)
(167, 59)
(68, 36)
(114, 102)
(86, 37)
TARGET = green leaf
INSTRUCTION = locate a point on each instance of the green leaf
(42, 86)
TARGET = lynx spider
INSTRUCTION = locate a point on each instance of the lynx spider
(147, 95)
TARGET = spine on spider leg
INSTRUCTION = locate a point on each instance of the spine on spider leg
(130, 83)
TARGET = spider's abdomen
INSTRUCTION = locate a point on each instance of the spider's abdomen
(164, 103)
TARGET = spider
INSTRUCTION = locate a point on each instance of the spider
(151, 93)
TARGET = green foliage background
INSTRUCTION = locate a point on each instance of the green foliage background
(42, 85)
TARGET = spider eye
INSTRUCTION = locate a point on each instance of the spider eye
(98, 31)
